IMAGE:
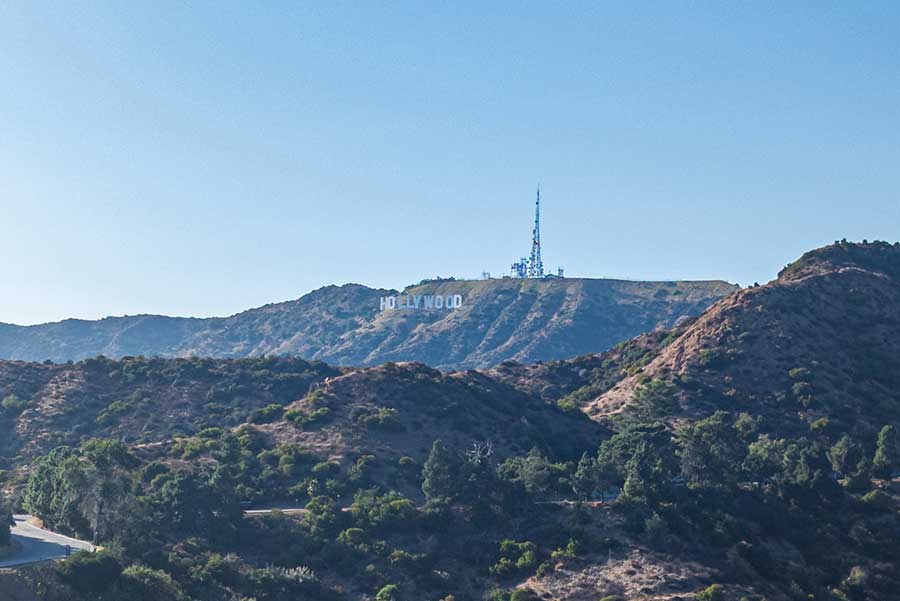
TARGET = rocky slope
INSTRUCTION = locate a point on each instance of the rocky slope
(818, 345)
(523, 320)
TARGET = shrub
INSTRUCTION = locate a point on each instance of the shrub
(286, 583)
(657, 398)
(13, 405)
(146, 584)
(799, 373)
(304, 420)
(383, 418)
(326, 468)
(515, 558)
(267, 414)
(152, 470)
(388, 512)
(389, 592)
(714, 358)
(352, 537)
(711, 593)
(90, 573)
(572, 549)
(409, 469)
(820, 424)
(359, 471)
(409, 562)
(568, 404)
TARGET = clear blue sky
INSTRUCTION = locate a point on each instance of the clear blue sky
(202, 158)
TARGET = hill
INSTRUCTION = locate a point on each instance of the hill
(751, 453)
(399, 409)
(817, 347)
(505, 319)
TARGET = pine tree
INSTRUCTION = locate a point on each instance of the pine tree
(439, 472)
(710, 450)
(646, 478)
(845, 456)
(585, 480)
(887, 453)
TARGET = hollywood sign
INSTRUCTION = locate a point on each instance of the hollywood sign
(422, 301)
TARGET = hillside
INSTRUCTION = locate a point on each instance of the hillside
(503, 319)
(397, 408)
(817, 347)
(750, 452)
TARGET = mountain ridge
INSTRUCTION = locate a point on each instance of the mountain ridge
(501, 319)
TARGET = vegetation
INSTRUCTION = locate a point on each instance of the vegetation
(755, 471)
(5, 523)
(12, 405)
(336, 324)
(719, 487)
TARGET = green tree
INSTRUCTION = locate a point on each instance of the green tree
(887, 452)
(586, 479)
(710, 451)
(187, 503)
(804, 476)
(324, 516)
(48, 493)
(764, 458)
(615, 452)
(5, 522)
(100, 477)
(386, 513)
(845, 456)
(592, 477)
(647, 480)
(534, 471)
(440, 473)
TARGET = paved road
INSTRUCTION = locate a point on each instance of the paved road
(38, 545)
(289, 510)
(286, 510)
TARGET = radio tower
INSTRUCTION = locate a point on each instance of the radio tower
(535, 265)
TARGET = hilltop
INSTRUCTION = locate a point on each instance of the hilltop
(501, 319)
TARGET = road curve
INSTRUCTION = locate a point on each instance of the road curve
(37, 544)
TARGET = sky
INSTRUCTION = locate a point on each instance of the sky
(207, 157)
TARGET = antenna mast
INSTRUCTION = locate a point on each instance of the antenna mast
(535, 264)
